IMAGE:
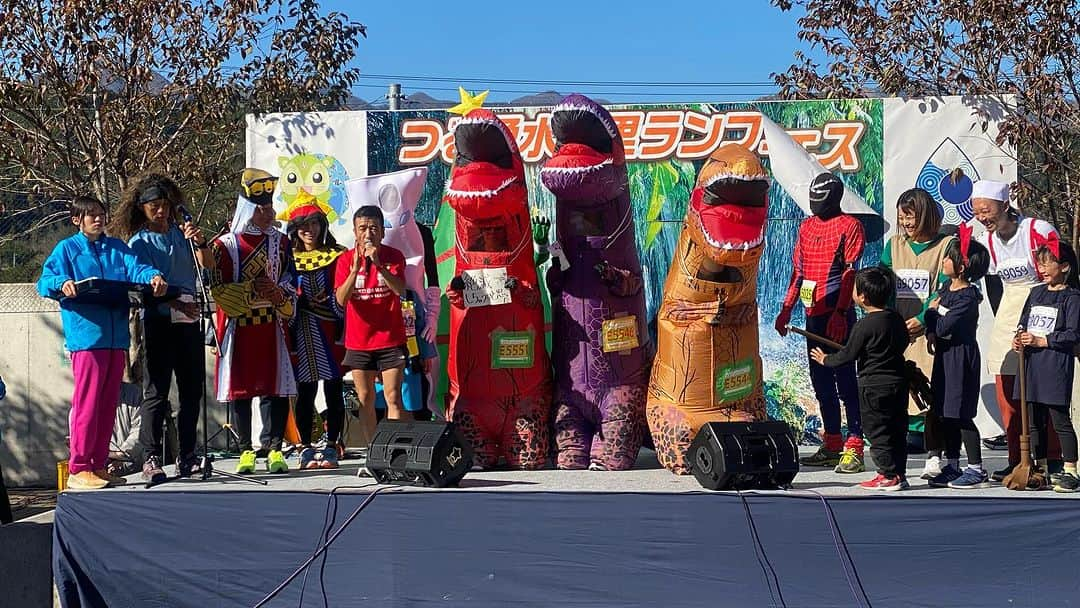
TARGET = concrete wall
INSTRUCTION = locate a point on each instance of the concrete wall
(37, 371)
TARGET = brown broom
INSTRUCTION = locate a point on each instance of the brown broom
(1024, 475)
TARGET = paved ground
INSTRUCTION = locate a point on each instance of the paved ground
(647, 476)
(28, 502)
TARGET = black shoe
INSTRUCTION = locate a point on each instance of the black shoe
(188, 465)
(1003, 473)
(152, 472)
(996, 443)
(1066, 482)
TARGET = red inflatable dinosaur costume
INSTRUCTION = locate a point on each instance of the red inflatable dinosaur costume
(498, 369)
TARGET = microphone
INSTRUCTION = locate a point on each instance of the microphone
(367, 258)
(184, 213)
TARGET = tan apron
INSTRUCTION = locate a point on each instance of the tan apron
(1000, 357)
(917, 281)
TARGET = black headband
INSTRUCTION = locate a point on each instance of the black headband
(152, 193)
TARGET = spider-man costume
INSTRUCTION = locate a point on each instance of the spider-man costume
(822, 278)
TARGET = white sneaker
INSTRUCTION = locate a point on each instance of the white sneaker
(932, 468)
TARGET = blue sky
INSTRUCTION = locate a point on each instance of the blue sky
(640, 41)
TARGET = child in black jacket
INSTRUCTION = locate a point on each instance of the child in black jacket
(877, 344)
(952, 322)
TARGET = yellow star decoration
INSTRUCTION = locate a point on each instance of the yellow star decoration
(468, 102)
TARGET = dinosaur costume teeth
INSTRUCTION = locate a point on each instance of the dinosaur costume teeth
(498, 368)
(576, 105)
(577, 170)
(707, 366)
(459, 194)
(600, 340)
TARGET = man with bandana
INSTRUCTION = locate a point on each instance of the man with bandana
(253, 284)
(823, 275)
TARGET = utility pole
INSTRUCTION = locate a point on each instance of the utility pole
(395, 96)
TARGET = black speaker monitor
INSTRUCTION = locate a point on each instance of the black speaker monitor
(430, 454)
(744, 455)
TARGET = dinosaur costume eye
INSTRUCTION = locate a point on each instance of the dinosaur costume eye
(291, 178)
(317, 178)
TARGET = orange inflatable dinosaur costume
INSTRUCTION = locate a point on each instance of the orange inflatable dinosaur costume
(707, 365)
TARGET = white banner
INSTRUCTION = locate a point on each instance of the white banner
(316, 152)
(926, 139)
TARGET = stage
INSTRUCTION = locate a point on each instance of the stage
(566, 538)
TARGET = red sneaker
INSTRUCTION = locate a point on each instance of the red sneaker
(886, 484)
(854, 443)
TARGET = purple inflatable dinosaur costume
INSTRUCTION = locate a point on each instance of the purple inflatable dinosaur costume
(600, 340)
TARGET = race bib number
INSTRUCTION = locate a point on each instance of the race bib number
(619, 334)
(912, 284)
(1042, 320)
(1016, 270)
(511, 349)
(806, 292)
(408, 314)
(735, 381)
(485, 287)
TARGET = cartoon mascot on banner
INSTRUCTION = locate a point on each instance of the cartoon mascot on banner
(600, 340)
(398, 194)
(498, 368)
(707, 366)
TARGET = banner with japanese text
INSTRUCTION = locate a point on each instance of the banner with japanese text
(665, 146)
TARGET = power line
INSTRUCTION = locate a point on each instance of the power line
(628, 83)
(697, 94)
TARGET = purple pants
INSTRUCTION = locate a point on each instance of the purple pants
(98, 374)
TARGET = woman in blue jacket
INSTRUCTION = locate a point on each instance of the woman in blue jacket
(96, 335)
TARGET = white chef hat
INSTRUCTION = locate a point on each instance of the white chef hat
(986, 188)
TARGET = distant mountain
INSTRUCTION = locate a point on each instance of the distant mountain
(416, 101)
(546, 98)
(355, 103)
(423, 101)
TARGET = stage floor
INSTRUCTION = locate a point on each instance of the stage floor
(647, 476)
(640, 538)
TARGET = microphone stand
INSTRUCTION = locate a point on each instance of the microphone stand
(202, 300)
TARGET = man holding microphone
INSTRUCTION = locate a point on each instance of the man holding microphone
(369, 282)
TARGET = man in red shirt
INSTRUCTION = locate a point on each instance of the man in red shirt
(823, 275)
(369, 282)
